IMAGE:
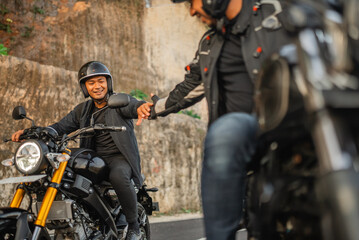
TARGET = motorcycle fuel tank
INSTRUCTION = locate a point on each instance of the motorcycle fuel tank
(89, 164)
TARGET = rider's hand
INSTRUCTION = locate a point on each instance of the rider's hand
(16, 136)
(143, 112)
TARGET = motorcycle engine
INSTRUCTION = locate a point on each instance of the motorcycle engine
(68, 220)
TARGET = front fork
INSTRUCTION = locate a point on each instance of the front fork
(18, 197)
(47, 201)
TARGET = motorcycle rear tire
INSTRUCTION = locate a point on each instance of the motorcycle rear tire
(144, 226)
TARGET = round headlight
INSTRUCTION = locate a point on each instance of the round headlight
(29, 157)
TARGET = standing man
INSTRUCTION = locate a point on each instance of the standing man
(119, 149)
(224, 70)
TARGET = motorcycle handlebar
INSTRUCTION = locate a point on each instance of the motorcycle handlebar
(22, 137)
(97, 127)
(104, 128)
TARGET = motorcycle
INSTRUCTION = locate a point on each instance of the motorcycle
(69, 195)
(303, 182)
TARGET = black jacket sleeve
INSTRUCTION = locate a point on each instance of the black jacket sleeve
(130, 111)
(70, 123)
(185, 94)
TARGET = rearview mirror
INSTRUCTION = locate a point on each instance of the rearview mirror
(118, 100)
(19, 113)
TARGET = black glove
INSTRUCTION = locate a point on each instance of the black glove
(153, 115)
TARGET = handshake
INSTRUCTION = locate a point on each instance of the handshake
(147, 110)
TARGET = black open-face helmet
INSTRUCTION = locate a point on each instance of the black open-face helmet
(92, 69)
(214, 8)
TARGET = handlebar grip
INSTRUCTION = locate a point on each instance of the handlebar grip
(22, 137)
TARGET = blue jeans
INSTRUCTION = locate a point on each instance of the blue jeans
(229, 145)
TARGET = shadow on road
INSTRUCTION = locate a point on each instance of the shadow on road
(192, 229)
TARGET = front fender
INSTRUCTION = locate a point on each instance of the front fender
(14, 221)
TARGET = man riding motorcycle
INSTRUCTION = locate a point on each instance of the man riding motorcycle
(119, 149)
(242, 35)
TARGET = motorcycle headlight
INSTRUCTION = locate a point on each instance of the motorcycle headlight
(29, 157)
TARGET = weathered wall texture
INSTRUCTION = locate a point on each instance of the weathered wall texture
(69, 33)
(171, 38)
(170, 147)
(145, 49)
(171, 153)
(43, 90)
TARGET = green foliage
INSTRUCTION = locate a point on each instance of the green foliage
(27, 32)
(190, 113)
(184, 210)
(3, 50)
(37, 10)
(138, 94)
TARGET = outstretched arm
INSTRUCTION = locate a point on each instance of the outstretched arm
(143, 112)
(184, 95)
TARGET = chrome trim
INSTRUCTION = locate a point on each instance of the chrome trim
(52, 157)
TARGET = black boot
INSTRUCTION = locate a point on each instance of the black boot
(133, 235)
(133, 231)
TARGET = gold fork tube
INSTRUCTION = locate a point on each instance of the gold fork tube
(18, 197)
(50, 196)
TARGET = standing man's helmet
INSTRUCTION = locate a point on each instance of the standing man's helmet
(214, 8)
(92, 69)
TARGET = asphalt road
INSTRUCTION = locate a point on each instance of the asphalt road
(191, 229)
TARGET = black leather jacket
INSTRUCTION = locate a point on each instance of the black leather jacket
(126, 141)
(261, 33)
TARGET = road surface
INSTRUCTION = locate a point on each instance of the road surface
(181, 229)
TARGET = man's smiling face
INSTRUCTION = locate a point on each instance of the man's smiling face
(97, 87)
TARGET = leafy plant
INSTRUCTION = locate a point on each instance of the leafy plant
(140, 95)
(3, 50)
(190, 113)
(37, 10)
(27, 32)
(184, 210)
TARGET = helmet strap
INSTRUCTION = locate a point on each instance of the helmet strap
(100, 101)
